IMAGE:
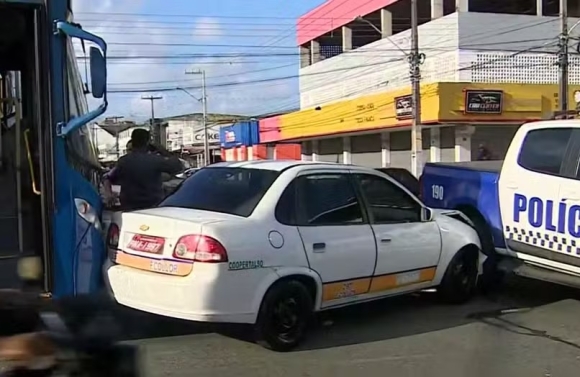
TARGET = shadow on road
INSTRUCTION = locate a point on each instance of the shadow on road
(380, 320)
(139, 325)
(422, 313)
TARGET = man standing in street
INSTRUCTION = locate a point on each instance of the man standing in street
(140, 173)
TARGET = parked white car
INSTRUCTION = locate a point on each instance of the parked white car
(270, 242)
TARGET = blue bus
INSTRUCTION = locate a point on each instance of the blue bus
(50, 205)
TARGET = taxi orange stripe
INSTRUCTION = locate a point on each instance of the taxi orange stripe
(376, 284)
(161, 266)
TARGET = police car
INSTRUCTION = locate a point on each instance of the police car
(527, 208)
(269, 243)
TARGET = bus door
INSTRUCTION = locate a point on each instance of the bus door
(19, 194)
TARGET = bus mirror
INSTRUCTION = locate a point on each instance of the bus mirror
(98, 73)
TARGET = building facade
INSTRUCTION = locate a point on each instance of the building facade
(241, 142)
(186, 134)
(488, 68)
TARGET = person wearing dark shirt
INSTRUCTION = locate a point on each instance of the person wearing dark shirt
(483, 153)
(140, 173)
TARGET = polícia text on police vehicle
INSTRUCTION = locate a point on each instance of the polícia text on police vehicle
(554, 216)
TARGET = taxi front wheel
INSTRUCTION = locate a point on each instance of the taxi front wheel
(284, 316)
(460, 280)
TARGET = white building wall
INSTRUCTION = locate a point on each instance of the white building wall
(460, 47)
(381, 66)
(522, 49)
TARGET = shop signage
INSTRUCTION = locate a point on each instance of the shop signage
(404, 107)
(230, 136)
(213, 133)
(483, 101)
(213, 137)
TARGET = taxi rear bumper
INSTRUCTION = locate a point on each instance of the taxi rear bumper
(208, 294)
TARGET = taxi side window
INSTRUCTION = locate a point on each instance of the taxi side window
(387, 203)
(327, 200)
(544, 150)
(286, 208)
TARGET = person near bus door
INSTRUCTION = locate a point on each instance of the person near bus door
(140, 173)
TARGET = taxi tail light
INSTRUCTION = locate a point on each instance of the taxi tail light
(113, 236)
(200, 248)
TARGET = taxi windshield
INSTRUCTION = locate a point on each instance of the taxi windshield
(236, 191)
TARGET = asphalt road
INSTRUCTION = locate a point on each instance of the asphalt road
(529, 329)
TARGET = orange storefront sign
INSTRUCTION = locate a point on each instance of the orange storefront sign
(441, 103)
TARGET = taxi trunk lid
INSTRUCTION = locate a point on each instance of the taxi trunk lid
(148, 237)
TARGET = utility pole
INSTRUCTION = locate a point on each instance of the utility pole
(152, 99)
(206, 154)
(563, 62)
(415, 61)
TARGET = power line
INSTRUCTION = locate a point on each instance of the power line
(249, 82)
(205, 34)
(220, 16)
(244, 73)
(199, 26)
(349, 53)
(346, 69)
(263, 70)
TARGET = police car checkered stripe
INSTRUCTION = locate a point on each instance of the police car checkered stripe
(548, 241)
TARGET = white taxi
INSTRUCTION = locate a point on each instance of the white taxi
(270, 242)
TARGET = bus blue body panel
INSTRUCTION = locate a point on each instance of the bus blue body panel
(78, 244)
(79, 248)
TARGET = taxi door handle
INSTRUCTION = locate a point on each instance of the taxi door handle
(386, 240)
(319, 247)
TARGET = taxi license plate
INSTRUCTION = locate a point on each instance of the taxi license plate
(147, 244)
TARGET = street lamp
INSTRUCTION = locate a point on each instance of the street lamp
(189, 94)
(382, 34)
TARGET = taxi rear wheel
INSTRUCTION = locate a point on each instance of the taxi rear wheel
(284, 316)
(460, 280)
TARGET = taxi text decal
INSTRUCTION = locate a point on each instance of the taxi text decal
(246, 265)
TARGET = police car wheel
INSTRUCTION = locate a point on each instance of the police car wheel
(284, 315)
(460, 280)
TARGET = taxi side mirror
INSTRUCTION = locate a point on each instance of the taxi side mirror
(426, 214)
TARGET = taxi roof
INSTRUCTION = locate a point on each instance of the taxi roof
(276, 165)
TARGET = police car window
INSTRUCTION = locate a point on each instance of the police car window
(328, 199)
(543, 151)
(388, 203)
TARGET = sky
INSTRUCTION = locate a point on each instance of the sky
(152, 43)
